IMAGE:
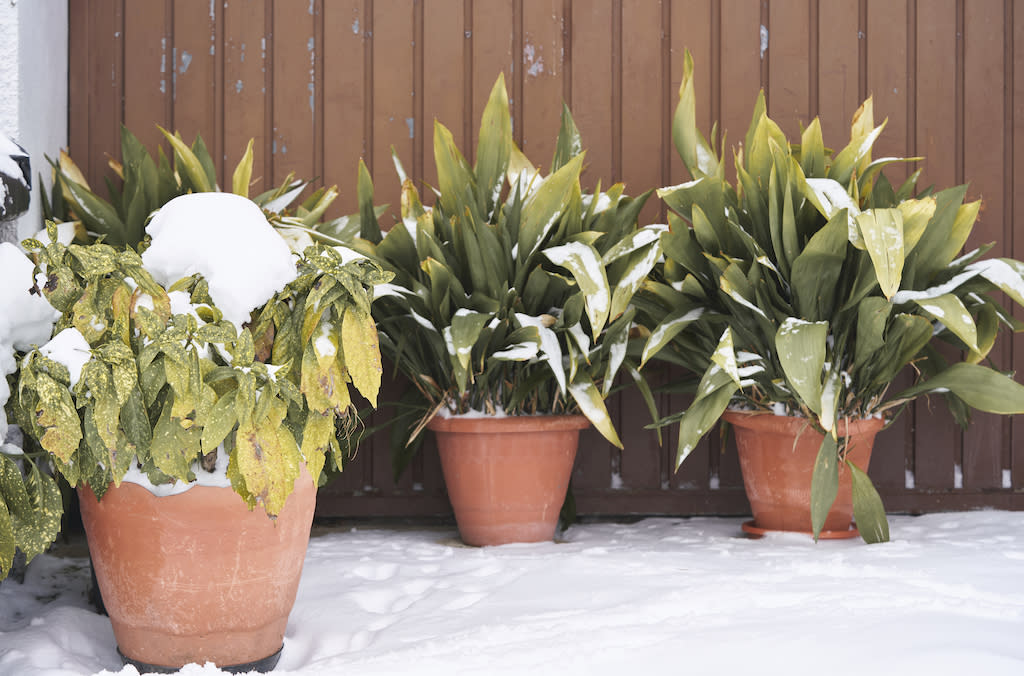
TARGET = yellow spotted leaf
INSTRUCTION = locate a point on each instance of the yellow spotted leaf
(361, 350)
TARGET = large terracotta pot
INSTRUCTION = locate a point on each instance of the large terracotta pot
(777, 455)
(197, 577)
(507, 477)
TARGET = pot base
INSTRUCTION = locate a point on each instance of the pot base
(260, 666)
(755, 531)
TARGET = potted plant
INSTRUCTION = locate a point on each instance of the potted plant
(192, 393)
(509, 314)
(145, 184)
(800, 292)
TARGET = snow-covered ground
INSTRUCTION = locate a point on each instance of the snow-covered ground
(661, 596)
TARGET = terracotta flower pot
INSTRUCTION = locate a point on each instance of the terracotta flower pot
(197, 577)
(777, 455)
(507, 477)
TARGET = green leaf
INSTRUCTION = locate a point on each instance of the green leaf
(97, 215)
(916, 216)
(7, 546)
(867, 507)
(568, 144)
(544, 206)
(243, 173)
(186, 161)
(698, 157)
(950, 311)
(583, 261)
(174, 447)
(591, 404)
(882, 230)
(369, 229)
(801, 350)
(812, 150)
(466, 328)
(979, 386)
(669, 328)
(702, 415)
(494, 145)
(824, 483)
(816, 271)
(872, 316)
(220, 422)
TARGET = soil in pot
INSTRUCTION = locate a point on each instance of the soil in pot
(777, 455)
(197, 576)
(507, 477)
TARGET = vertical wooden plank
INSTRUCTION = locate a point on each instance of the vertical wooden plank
(394, 35)
(147, 71)
(493, 37)
(443, 82)
(79, 82)
(644, 101)
(691, 28)
(887, 75)
(393, 112)
(1017, 198)
(193, 74)
(740, 68)
(937, 439)
(789, 65)
(838, 69)
(643, 109)
(541, 65)
(984, 157)
(592, 89)
(294, 90)
(245, 85)
(345, 98)
(105, 75)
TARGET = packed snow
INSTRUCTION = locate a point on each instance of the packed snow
(661, 596)
(228, 240)
(69, 348)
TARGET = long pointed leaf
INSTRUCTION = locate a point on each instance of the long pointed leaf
(868, 509)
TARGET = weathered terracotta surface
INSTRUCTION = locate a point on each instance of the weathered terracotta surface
(777, 455)
(507, 477)
(197, 577)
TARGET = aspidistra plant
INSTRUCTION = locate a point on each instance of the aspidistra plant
(512, 293)
(811, 282)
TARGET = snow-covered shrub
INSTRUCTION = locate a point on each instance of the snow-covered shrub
(809, 284)
(512, 293)
(30, 502)
(165, 369)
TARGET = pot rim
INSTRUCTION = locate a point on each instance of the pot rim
(764, 421)
(512, 423)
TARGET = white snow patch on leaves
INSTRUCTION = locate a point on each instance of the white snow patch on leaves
(225, 238)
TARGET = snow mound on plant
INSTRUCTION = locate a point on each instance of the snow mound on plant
(69, 348)
(26, 319)
(225, 238)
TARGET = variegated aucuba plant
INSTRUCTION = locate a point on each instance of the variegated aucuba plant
(147, 184)
(162, 391)
(512, 292)
(808, 284)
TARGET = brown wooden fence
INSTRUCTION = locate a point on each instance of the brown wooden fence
(321, 83)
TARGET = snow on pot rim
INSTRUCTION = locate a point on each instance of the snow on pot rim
(225, 238)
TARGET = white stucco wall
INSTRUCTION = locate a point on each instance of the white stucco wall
(34, 86)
